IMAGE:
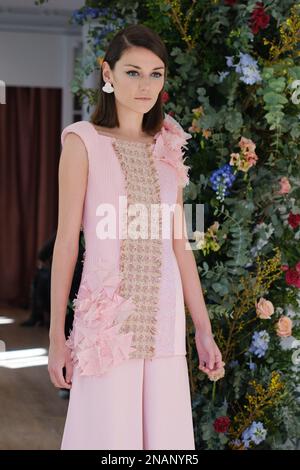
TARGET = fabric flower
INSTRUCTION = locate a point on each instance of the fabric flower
(95, 341)
(168, 147)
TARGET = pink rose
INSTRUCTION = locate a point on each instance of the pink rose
(264, 308)
(285, 186)
(284, 326)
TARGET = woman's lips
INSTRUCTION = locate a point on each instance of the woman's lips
(143, 99)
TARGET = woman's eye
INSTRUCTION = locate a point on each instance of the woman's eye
(158, 75)
(131, 71)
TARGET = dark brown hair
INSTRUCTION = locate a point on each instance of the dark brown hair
(105, 113)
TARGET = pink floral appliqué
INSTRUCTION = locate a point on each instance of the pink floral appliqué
(168, 147)
(95, 341)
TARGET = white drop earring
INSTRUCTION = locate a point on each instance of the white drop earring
(108, 88)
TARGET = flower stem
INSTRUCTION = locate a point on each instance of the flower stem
(213, 392)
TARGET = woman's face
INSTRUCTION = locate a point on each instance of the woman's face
(138, 73)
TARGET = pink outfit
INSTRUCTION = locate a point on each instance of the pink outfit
(150, 410)
(129, 308)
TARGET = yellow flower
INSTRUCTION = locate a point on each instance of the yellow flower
(198, 111)
(235, 159)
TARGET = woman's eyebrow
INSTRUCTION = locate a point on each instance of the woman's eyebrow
(137, 67)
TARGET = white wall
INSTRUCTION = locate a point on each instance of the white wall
(38, 52)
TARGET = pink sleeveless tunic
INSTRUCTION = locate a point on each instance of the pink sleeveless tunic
(130, 300)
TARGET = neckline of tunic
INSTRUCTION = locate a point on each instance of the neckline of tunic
(119, 139)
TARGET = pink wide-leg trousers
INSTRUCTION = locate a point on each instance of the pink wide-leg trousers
(139, 404)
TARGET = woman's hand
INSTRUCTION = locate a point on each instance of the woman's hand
(59, 357)
(210, 357)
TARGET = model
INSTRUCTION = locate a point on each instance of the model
(121, 178)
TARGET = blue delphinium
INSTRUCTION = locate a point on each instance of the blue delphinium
(252, 365)
(229, 61)
(92, 12)
(260, 343)
(102, 33)
(221, 180)
(233, 363)
(79, 16)
(247, 68)
(236, 442)
(97, 40)
(255, 433)
(222, 75)
(245, 61)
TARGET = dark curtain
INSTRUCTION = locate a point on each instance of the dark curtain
(30, 127)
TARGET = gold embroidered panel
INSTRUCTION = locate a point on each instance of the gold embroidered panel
(140, 258)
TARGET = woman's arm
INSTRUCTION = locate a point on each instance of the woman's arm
(72, 178)
(192, 289)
